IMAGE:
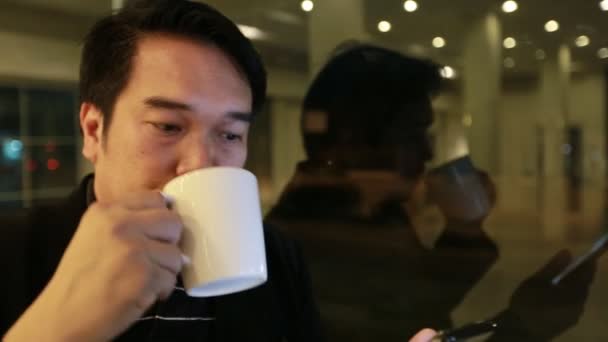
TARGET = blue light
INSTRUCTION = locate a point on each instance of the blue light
(12, 149)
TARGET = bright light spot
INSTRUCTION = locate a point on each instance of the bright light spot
(540, 54)
(12, 149)
(509, 63)
(447, 72)
(551, 26)
(604, 5)
(509, 43)
(509, 6)
(252, 32)
(438, 42)
(307, 5)
(410, 5)
(582, 41)
(52, 164)
(384, 26)
(467, 120)
(602, 53)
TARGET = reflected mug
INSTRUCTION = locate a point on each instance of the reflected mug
(457, 188)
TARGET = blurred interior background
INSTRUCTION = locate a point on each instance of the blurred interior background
(525, 96)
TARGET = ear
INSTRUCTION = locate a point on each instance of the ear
(91, 123)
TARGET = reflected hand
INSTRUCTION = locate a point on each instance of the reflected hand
(539, 310)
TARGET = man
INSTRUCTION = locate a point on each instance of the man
(167, 87)
(364, 123)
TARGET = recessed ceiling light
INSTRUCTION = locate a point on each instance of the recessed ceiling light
(307, 5)
(604, 5)
(509, 43)
(551, 26)
(602, 53)
(410, 5)
(509, 6)
(509, 63)
(448, 72)
(582, 41)
(438, 42)
(540, 54)
(384, 26)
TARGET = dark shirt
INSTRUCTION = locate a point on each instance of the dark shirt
(282, 309)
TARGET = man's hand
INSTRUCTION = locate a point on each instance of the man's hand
(541, 311)
(123, 257)
(424, 335)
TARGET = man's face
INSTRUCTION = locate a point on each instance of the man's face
(186, 106)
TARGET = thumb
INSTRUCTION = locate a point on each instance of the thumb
(555, 265)
(424, 335)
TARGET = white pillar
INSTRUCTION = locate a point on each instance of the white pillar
(482, 82)
(117, 4)
(552, 120)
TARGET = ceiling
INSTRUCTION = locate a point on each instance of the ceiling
(286, 26)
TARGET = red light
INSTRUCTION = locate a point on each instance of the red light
(52, 164)
(31, 165)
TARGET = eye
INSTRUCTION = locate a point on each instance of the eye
(167, 128)
(231, 137)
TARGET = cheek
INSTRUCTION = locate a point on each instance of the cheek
(233, 159)
(154, 165)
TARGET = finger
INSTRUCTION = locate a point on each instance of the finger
(424, 335)
(165, 255)
(160, 225)
(164, 283)
(145, 200)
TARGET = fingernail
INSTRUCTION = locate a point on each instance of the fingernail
(186, 260)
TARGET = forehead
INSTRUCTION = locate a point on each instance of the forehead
(182, 68)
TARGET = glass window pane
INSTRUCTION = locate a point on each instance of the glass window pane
(9, 111)
(51, 112)
(52, 167)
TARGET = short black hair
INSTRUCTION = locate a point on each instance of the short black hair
(369, 87)
(109, 47)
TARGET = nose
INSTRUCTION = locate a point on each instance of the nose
(196, 156)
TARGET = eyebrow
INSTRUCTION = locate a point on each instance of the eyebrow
(164, 103)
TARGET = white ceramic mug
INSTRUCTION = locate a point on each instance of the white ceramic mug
(223, 234)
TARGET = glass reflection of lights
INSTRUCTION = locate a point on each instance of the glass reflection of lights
(12, 149)
(509, 43)
(448, 72)
(582, 41)
(384, 26)
(438, 42)
(410, 5)
(307, 5)
(551, 26)
(509, 6)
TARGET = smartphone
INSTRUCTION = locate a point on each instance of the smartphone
(596, 248)
(466, 331)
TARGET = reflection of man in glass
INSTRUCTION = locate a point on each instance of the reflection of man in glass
(365, 121)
